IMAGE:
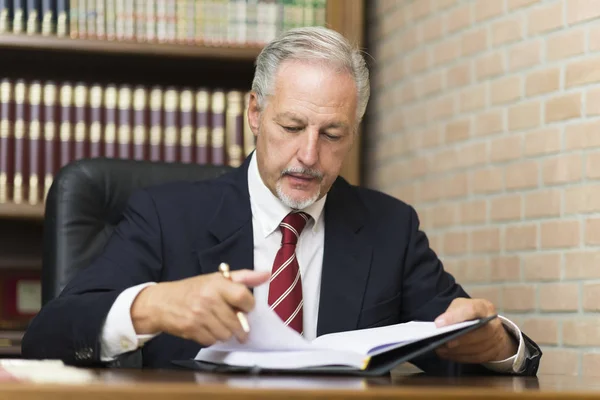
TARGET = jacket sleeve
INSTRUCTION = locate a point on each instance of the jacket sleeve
(69, 327)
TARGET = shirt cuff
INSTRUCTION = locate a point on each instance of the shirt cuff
(118, 335)
(516, 363)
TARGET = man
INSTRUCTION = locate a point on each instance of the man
(324, 255)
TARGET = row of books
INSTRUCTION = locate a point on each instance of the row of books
(212, 22)
(45, 125)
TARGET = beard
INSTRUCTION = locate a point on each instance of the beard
(295, 203)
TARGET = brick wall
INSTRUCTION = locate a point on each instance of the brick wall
(485, 116)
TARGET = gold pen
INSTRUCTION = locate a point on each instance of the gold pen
(224, 268)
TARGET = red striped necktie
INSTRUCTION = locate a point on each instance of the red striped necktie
(285, 287)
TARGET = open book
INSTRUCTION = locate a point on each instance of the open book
(272, 346)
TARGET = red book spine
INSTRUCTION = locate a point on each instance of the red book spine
(50, 142)
(140, 133)
(218, 128)
(110, 123)
(66, 118)
(235, 128)
(20, 141)
(124, 135)
(171, 131)
(7, 143)
(81, 139)
(156, 119)
(35, 148)
(202, 126)
(187, 126)
(95, 121)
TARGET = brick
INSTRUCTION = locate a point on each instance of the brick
(489, 65)
(505, 208)
(582, 199)
(581, 332)
(439, 5)
(418, 62)
(591, 296)
(406, 193)
(544, 203)
(594, 39)
(457, 130)
(565, 44)
(418, 167)
(582, 135)
(473, 154)
(514, 4)
(560, 234)
(562, 169)
(592, 231)
(582, 10)
(485, 9)
(458, 76)
(436, 242)
(473, 212)
(524, 115)
(559, 297)
(445, 160)
(507, 30)
(442, 107)
(590, 364)
(458, 19)
(582, 264)
(446, 51)
(456, 185)
(407, 41)
(473, 98)
(560, 362)
(518, 298)
(444, 215)
(487, 180)
(490, 293)
(415, 115)
(544, 19)
(541, 82)
(524, 55)
(545, 141)
(475, 270)
(506, 90)
(474, 41)
(582, 72)
(489, 123)
(592, 166)
(506, 148)
(545, 331)
(520, 237)
(431, 189)
(592, 102)
(542, 267)
(431, 137)
(430, 84)
(485, 240)
(522, 175)
(431, 30)
(456, 243)
(418, 10)
(505, 269)
(563, 108)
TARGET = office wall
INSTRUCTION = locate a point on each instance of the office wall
(485, 116)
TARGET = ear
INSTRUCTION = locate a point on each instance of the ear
(253, 113)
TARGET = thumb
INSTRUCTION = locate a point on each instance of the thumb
(458, 311)
(250, 278)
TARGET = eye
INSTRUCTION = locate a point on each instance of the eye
(332, 137)
(292, 129)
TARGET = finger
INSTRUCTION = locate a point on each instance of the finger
(229, 319)
(475, 337)
(250, 278)
(457, 349)
(218, 329)
(464, 310)
(203, 336)
(238, 297)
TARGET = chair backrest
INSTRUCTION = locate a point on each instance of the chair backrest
(84, 204)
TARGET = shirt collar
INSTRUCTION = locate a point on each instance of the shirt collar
(268, 209)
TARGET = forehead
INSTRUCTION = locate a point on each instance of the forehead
(313, 88)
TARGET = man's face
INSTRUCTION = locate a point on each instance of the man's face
(305, 131)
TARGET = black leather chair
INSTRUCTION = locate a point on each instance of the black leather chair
(85, 203)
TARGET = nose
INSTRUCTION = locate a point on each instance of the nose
(308, 152)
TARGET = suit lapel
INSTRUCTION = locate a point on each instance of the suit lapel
(346, 261)
(231, 226)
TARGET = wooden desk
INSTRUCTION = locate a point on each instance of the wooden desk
(175, 385)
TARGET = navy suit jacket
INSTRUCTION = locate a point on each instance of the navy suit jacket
(378, 268)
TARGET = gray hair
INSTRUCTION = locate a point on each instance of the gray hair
(311, 44)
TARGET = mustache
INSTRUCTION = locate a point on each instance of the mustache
(303, 171)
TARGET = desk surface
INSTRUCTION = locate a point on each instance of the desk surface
(175, 385)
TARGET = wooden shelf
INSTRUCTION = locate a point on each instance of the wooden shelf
(10, 343)
(21, 211)
(53, 43)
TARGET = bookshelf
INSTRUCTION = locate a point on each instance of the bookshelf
(127, 62)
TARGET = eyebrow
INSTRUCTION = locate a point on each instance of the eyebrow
(299, 120)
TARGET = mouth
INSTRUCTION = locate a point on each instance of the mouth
(301, 177)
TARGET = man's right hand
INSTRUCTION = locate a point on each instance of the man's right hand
(202, 308)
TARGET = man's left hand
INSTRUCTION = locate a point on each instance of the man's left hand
(491, 342)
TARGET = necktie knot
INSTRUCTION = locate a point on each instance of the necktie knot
(291, 227)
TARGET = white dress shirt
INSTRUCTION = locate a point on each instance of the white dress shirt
(118, 335)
